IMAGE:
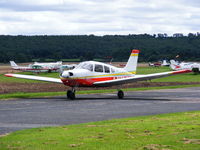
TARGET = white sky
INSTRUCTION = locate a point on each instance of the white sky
(99, 17)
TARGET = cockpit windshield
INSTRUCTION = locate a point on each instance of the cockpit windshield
(85, 65)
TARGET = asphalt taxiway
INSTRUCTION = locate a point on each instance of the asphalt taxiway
(39, 112)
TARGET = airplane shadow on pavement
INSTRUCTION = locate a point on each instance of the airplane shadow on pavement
(79, 98)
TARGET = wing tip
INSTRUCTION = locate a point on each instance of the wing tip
(182, 71)
(8, 75)
(135, 51)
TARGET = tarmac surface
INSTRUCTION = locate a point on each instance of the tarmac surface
(39, 112)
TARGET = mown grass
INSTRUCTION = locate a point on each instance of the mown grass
(177, 131)
(188, 77)
(45, 94)
(148, 70)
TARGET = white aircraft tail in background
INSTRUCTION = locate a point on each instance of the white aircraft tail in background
(195, 67)
(165, 63)
(13, 64)
(174, 65)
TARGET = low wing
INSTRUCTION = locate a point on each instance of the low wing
(139, 78)
(47, 79)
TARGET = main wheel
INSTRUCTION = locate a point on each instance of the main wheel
(195, 70)
(70, 95)
(120, 94)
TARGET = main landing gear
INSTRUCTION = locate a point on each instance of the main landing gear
(120, 94)
(71, 94)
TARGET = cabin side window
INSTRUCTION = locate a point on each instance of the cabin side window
(88, 67)
(36, 67)
(112, 70)
(98, 68)
(106, 69)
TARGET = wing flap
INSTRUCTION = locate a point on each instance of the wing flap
(139, 78)
(30, 77)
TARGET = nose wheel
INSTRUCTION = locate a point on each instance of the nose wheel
(71, 94)
(120, 94)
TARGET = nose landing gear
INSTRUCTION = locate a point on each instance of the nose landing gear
(120, 94)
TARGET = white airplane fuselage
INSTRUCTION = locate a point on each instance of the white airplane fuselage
(85, 77)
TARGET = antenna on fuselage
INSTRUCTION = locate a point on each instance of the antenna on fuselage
(111, 60)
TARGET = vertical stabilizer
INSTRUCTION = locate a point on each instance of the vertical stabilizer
(174, 65)
(132, 62)
(13, 64)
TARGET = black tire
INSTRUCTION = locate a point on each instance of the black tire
(195, 70)
(120, 94)
(70, 95)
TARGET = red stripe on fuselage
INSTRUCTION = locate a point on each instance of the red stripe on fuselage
(85, 82)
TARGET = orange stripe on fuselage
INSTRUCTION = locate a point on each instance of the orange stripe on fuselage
(89, 81)
(84, 82)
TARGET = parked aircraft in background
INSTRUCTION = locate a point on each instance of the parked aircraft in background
(51, 66)
(38, 67)
(159, 63)
(165, 63)
(155, 64)
(175, 65)
(67, 67)
(97, 74)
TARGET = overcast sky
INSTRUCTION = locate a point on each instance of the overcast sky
(99, 17)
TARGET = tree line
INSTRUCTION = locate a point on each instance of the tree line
(88, 47)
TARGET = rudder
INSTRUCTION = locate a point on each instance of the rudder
(131, 65)
(13, 64)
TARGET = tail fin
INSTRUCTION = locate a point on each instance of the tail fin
(132, 62)
(13, 64)
(173, 62)
(174, 65)
(59, 62)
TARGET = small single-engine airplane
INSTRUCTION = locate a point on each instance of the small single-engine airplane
(97, 74)
(195, 67)
(38, 67)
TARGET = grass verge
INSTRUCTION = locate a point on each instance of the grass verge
(44, 94)
(177, 131)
